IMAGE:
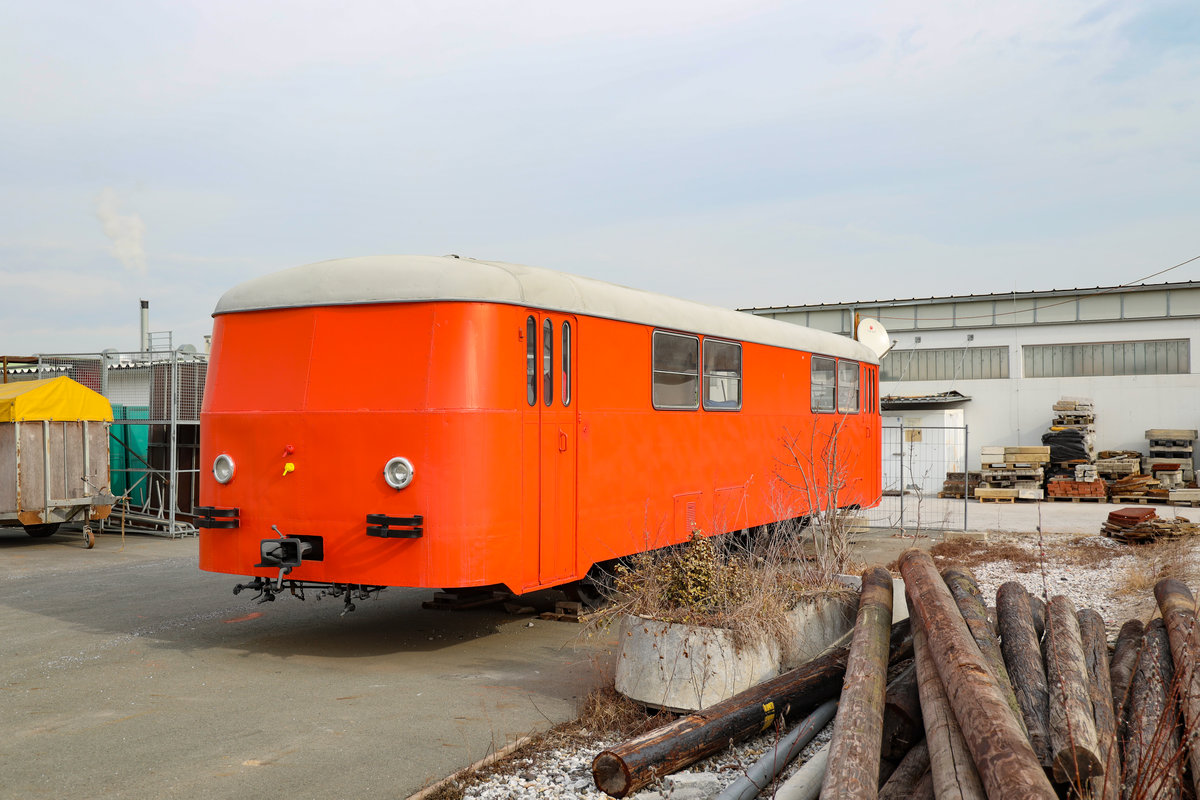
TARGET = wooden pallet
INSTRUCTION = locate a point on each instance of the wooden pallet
(997, 499)
(1137, 498)
(1077, 499)
(951, 495)
(564, 611)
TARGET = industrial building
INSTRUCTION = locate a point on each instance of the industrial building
(999, 362)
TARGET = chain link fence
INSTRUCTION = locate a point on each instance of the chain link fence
(924, 480)
(154, 441)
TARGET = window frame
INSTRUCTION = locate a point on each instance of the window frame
(548, 362)
(565, 395)
(812, 385)
(721, 405)
(531, 360)
(857, 368)
(655, 371)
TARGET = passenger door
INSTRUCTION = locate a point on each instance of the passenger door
(555, 401)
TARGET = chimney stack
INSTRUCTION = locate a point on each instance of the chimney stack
(145, 326)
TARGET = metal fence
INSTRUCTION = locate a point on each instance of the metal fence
(155, 436)
(922, 469)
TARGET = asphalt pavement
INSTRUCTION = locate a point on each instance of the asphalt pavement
(125, 672)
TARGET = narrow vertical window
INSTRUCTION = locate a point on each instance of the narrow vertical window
(547, 362)
(824, 384)
(848, 387)
(566, 363)
(531, 361)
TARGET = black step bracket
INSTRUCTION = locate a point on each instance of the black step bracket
(385, 527)
(212, 517)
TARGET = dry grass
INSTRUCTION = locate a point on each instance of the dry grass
(721, 582)
(1169, 558)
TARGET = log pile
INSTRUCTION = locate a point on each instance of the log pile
(1037, 710)
(1141, 525)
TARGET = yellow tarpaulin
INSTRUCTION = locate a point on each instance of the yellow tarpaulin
(59, 399)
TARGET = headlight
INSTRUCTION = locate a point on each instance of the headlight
(398, 473)
(223, 468)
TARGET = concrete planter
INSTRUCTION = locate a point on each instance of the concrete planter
(684, 668)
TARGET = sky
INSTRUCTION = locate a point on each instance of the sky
(745, 154)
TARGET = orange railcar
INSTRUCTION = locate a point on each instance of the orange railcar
(445, 422)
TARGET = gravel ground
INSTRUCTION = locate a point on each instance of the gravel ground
(1094, 572)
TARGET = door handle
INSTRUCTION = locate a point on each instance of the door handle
(562, 441)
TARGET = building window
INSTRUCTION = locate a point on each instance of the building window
(722, 375)
(676, 365)
(824, 383)
(847, 387)
(945, 364)
(1167, 357)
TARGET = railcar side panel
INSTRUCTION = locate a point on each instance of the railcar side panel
(312, 402)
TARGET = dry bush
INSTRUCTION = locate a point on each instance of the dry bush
(746, 587)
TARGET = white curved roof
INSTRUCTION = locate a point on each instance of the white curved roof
(411, 279)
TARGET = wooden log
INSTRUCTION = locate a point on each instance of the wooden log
(1178, 608)
(1124, 662)
(1007, 764)
(1075, 755)
(1019, 642)
(854, 750)
(953, 772)
(633, 764)
(1095, 656)
(1038, 607)
(1153, 763)
(908, 772)
(902, 727)
(969, 600)
(924, 788)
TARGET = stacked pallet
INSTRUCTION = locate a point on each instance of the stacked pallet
(1170, 450)
(1012, 473)
(957, 483)
(1139, 525)
(1072, 432)
(1114, 464)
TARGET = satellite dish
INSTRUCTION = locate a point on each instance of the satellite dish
(872, 334)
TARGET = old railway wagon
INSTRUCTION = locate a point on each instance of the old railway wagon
(445, 422)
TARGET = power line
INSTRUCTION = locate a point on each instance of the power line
(1072, 299)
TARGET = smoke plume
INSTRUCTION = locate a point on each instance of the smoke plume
(125, 231)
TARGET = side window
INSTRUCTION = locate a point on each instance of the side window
(531, 361)
(566, 363)
(824, 383)
(722, 375)
(847, 387)
(548, 362)
(676, 367)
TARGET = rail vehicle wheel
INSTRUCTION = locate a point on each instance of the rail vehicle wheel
(596, 587)
(89, 538)
(42, 531)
